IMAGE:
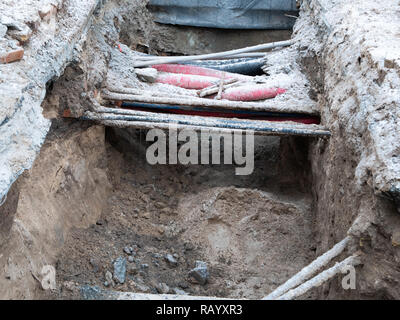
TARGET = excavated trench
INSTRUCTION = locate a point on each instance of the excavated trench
(253, 231)
(94, 211)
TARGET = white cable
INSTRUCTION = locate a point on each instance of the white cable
(320, 278)
(308, 271)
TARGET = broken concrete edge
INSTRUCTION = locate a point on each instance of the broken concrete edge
(24, 132)
(371, 125)
(96, 293)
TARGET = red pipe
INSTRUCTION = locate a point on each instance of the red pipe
(251, 93)
(199, 71)
(186, 81)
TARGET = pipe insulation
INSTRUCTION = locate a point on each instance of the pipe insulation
(214, 55)
(249, 67)
(193, 101)
(129, 108)
(252, 92)
(195, 70)
(220, 123)
(321, 278)
(187, 81)
(309, 270)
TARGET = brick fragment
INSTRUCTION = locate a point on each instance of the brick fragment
(11, 56)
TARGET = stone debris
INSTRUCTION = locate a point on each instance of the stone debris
(200, 272)
(162, 288)
(132, 269)
(120, 270)
(17, 30)
(171, 260)
(179, 291)
(128, 250)
(109, 279)
(147, 74)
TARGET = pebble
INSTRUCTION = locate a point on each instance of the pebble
(146, 215)
(94, 264)
(160, 205)
(144, 266)
(156, 255)
(120, 269)
(200, 272)
(179, 291)
(132, 269)
(162, 288)
(171, 260)
(147, 74)
(109, 279)
(128, 250)
(131, 259)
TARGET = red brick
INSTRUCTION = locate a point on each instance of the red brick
(12, 56)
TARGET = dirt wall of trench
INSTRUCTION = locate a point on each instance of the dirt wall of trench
(66, 187)
(350, 54)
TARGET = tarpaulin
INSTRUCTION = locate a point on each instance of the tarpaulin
(227, 14)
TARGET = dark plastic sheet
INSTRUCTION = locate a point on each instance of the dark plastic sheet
(226, 14)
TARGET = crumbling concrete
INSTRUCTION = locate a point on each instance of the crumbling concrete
(48, 41)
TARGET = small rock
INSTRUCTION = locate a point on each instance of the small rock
(70, 285)
(156, 255)
(144, 266)
(162, 288)
(128, 250)
(188, 246)
(160, 205)
(161, 230)
(131, 259)
(200, 272)
(17, 30)
(142, 287)
(179, 291)
(120, 269)
(147, 74)
(47, 11)
(94, 264)
(146, 215)
(109, 279)
(171, 260)
(132, 269)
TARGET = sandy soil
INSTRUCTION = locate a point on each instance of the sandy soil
(251, 236)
